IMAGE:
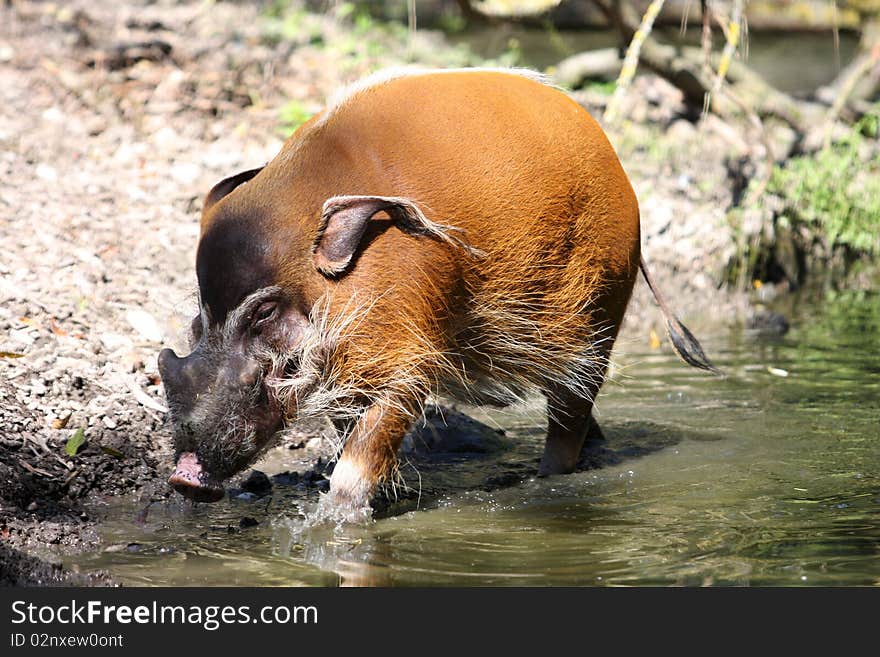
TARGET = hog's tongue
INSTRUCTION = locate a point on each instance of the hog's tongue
(190, 480)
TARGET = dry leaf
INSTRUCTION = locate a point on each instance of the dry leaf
(112, 452)
(61, 422)
(57, 330)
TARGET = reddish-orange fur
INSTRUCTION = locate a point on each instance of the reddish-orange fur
(533, 184)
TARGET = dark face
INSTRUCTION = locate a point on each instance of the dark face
(262, 353)
(222, 408)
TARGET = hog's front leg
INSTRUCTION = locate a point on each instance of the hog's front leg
(368, 459)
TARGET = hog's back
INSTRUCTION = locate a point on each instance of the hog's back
(520, 167)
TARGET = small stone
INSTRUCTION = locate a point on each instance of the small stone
(46, 172)
(681, 131)
(286, 479)
(248, 522)
(768, 322)
(315, 443)
(257, 483)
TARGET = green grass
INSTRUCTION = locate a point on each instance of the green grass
(604, 88)
(835, 193)
(291, 116)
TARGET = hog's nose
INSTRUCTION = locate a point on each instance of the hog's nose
(190, 481)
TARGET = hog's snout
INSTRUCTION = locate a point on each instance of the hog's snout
(222, 417)
(190, 480)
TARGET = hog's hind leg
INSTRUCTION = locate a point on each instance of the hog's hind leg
(570, 424)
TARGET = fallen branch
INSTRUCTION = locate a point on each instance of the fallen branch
(603, 65)
(855, 73)
(685, 68)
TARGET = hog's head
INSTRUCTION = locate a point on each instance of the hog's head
(261, 342)
(222, 409)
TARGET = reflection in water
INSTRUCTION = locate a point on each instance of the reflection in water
(751, 479)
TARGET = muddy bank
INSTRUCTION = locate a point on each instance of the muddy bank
(114, 121)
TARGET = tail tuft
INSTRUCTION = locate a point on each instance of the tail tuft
(686, 345)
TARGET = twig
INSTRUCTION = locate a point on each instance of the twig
(706, 35)
(734, 28)
(70, 478)
(849, 85)
(631, 61)
(27, 466)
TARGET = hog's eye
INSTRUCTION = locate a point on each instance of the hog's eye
(263, 314)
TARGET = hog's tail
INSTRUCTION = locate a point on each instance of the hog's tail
(684, 342)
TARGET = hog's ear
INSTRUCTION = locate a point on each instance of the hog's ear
(344, 222)
(226, 185)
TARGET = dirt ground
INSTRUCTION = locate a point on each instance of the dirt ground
(115, 119)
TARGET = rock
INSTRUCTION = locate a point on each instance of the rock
(257, 483)
(247, 522)
(681, 131)
(314, 479)
(447, 431)
(286, 479)
(767, 322)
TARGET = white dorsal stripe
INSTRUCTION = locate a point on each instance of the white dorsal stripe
(346, 94)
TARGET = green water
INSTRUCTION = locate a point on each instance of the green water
(753, 479)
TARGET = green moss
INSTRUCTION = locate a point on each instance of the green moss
(835, 194)
(604, 88)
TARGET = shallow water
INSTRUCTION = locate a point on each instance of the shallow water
(753, 479)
